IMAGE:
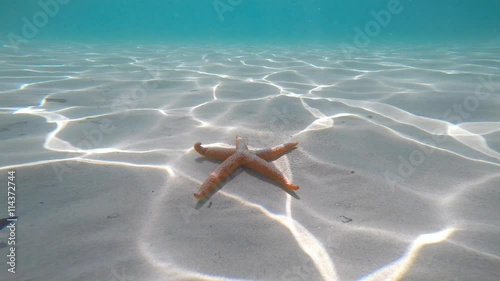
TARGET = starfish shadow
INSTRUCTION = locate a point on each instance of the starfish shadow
(202, 159)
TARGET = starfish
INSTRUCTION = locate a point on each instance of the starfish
(241, 156)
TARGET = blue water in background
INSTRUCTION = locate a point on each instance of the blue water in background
(219, 21)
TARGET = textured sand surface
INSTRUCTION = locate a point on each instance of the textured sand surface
(398, 162)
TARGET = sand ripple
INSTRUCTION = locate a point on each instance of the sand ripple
(398, 162)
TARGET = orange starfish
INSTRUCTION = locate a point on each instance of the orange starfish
(236, 157)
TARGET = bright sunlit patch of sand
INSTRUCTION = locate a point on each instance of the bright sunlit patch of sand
(397, 269)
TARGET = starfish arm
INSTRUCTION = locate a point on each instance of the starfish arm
(222, 171)
(218, 153)
(241, 144)
(259, 165)
(275, 152)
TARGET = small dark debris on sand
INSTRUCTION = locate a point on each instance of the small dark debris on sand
(345, 219)
(112, 216)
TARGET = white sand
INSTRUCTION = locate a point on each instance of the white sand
(102, 137)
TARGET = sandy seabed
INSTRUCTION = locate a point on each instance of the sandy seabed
(398, 162)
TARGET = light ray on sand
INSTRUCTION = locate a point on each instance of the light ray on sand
(397, 269)
(479, 145)
(472, 140)
(306, 240)
(311, 245)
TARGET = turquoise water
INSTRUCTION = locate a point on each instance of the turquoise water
(295, 22)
